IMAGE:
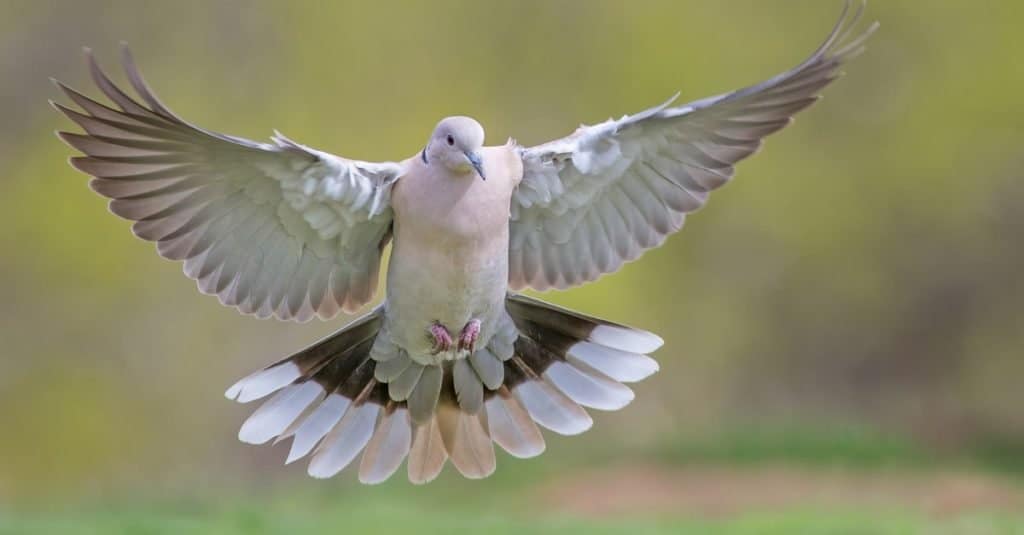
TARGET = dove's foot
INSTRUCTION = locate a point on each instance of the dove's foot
(442, 339)
(468, 336)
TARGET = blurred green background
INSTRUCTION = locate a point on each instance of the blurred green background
(843, 324)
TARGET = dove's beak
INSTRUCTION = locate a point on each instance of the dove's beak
(477, 162)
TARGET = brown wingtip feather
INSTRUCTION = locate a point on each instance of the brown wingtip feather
(110, 89)
(74, 115)
(139, 83)
(71, 139)
(80, 163)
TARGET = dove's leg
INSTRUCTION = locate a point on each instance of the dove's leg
(442, 339)
(469, 334)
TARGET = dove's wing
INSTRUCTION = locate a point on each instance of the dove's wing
(602, 196)
(274, 229)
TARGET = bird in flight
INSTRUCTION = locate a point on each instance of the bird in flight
(454, 359)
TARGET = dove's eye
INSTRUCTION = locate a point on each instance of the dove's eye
(450, 139)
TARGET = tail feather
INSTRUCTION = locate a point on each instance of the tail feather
(277, 414)
(317, 425)
(511, 426)
(389, 370)
(428, 454)
(575, 326)
(356, 392)
(401, 387)
(423, 399)
(341, 446)
(464, 433)
(388, 446)
(549, 406)
(619, 365)
(468, 387)
(488, 368)
(328, 352)
(587, 388)
(466, 440)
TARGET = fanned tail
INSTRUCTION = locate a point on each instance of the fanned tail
(355, 392)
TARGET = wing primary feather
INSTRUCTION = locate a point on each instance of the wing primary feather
(141, 87)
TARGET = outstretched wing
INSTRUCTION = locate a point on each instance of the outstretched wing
(602, 196)
(273, 229)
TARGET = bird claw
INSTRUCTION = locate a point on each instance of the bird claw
(442, 339)
(468, 336)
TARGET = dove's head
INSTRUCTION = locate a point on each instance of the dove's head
(456, 144)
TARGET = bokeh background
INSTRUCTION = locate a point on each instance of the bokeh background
(843, 323)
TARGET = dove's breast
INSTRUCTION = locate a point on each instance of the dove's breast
(449, 263)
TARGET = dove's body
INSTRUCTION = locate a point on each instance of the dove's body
(283, 230)
(449, 262)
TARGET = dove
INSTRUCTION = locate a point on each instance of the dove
(454, 359)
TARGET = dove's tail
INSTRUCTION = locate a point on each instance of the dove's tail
(543, 366)
(564, 359)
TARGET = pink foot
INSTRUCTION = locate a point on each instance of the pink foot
(468, 336)
(442, 340)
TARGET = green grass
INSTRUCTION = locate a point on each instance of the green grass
(386, 517)
(845, 446)
(516, 499)
(849, 446)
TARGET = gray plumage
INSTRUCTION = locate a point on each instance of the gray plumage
(454, 360)
(468, 386)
